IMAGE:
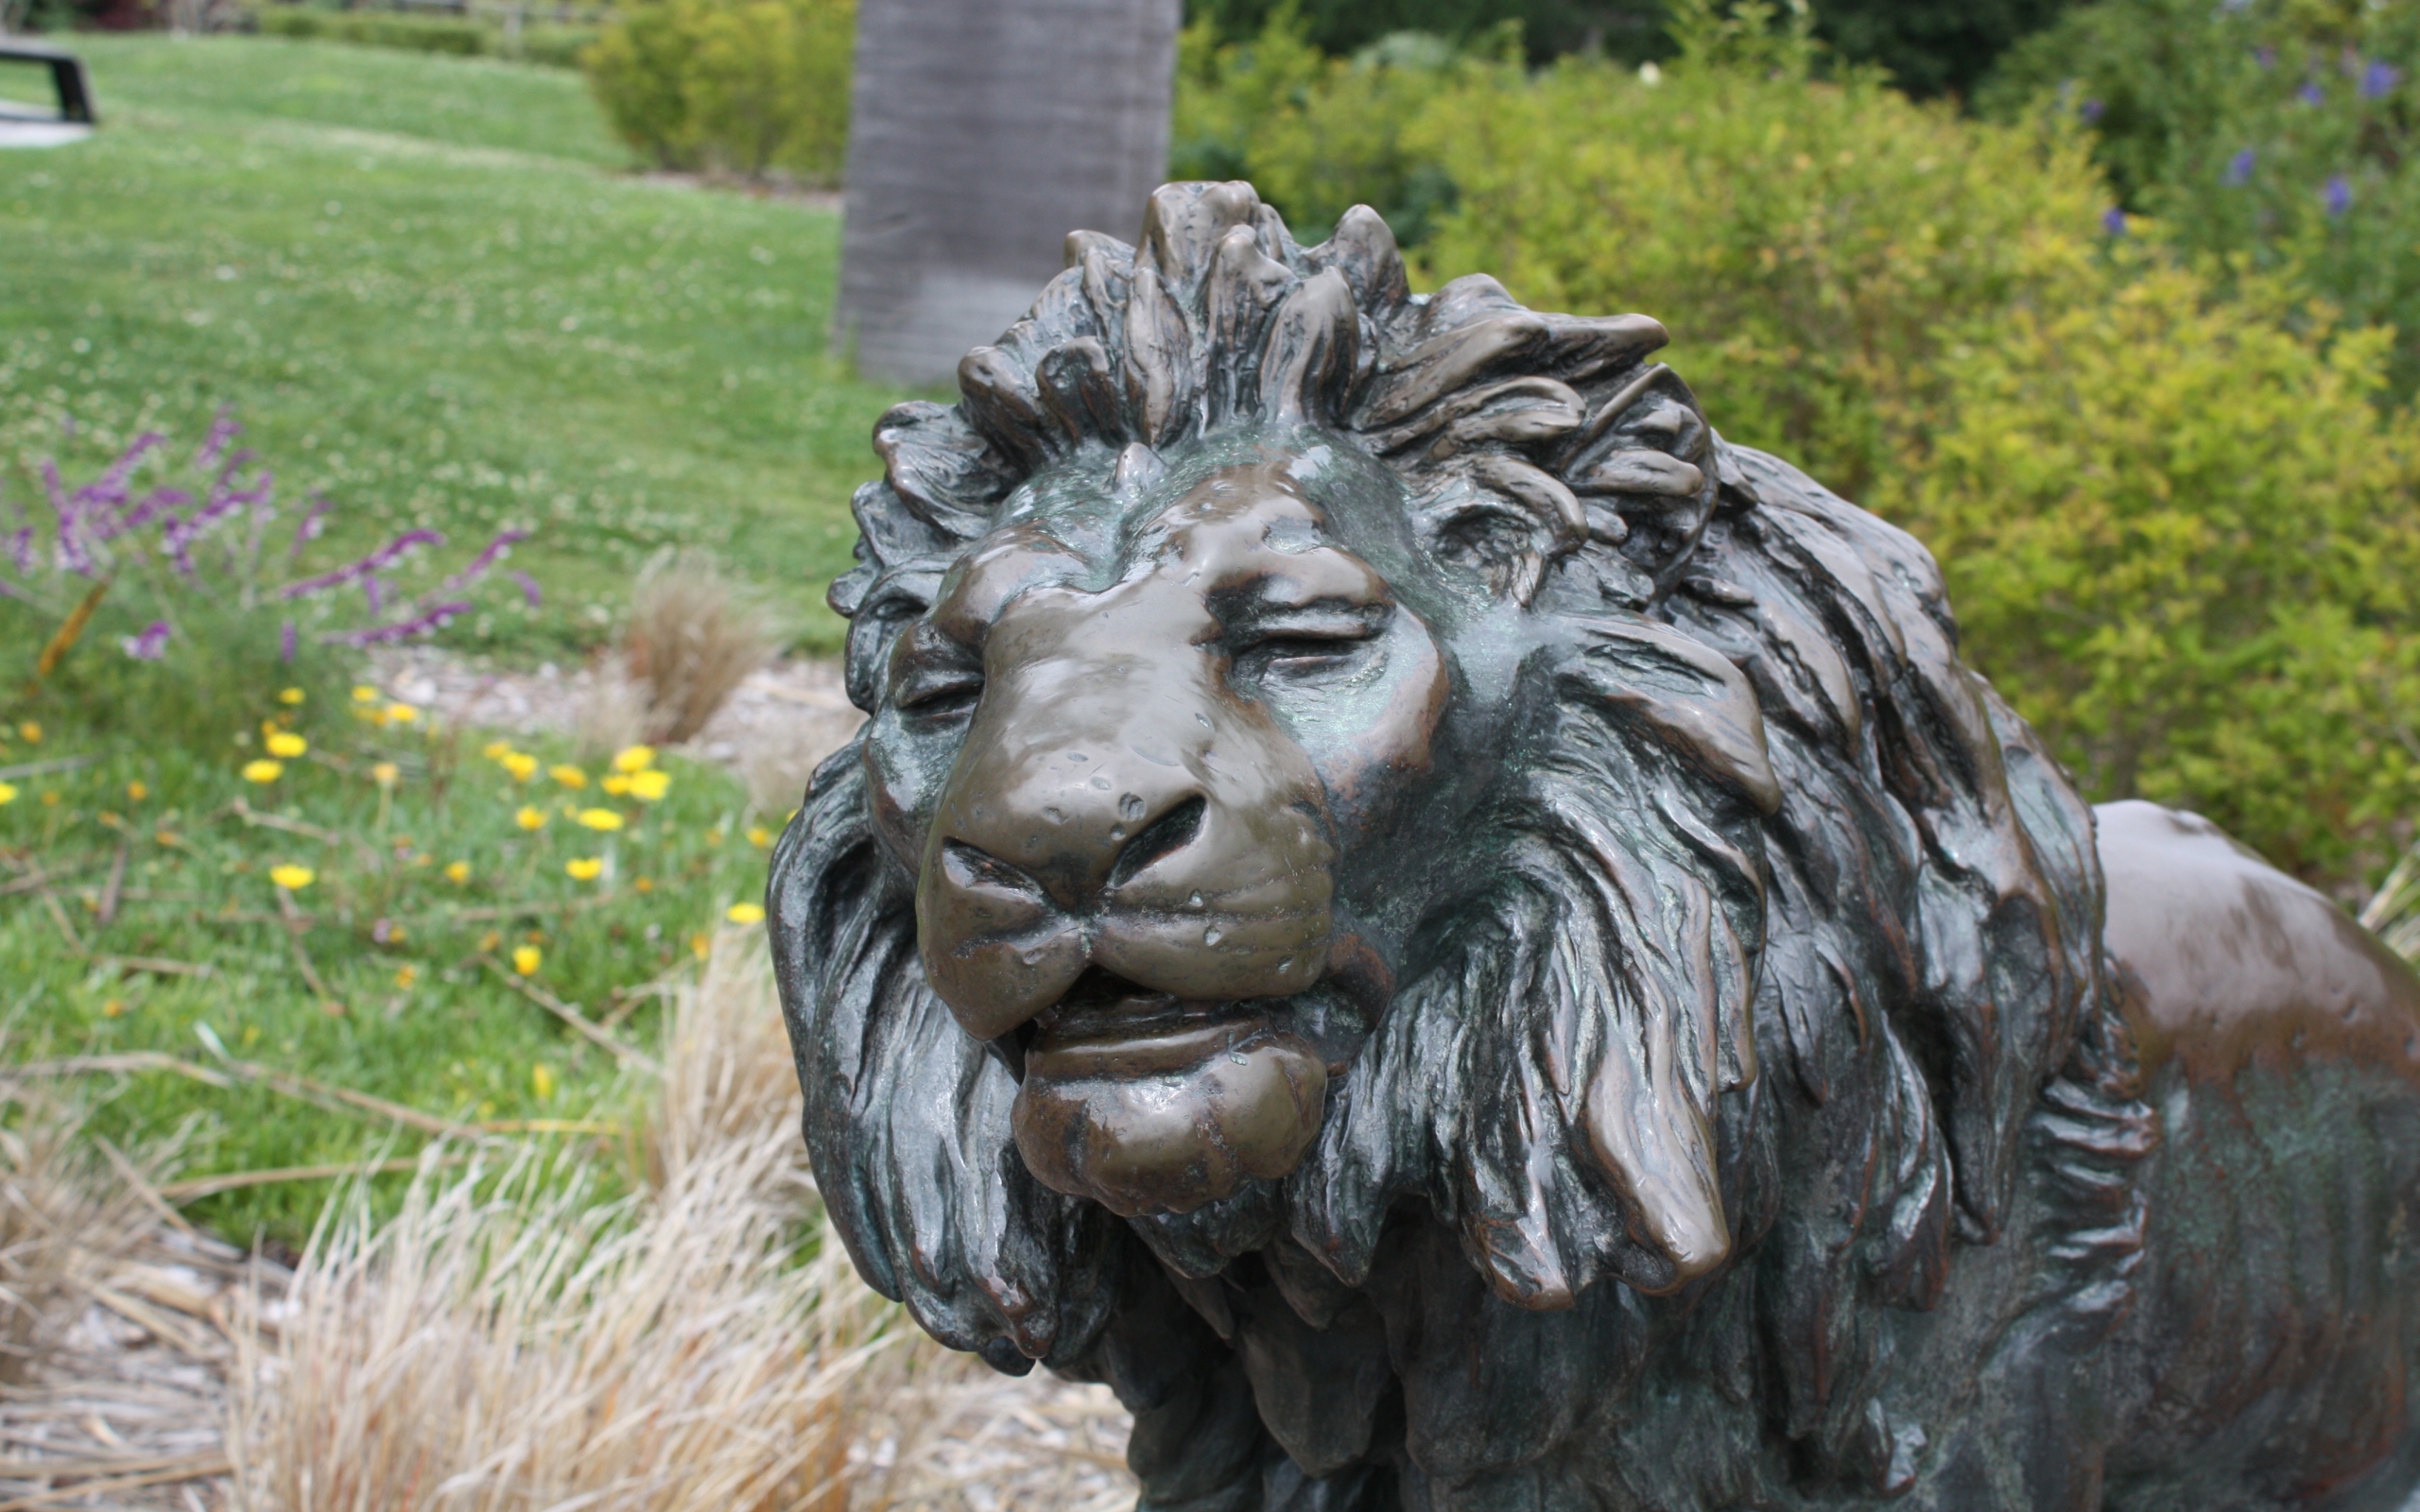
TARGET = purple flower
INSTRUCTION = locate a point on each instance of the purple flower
(485, 560)
(384, 557)
(222, 430)
(2091, 110)
(2379, 77)
(2113, 220)
(285, 642)
(402, 630)
(151, 644)
(529, 588)
(2239, 167)
(2310, 94)
(308, 528)
(2339, 195)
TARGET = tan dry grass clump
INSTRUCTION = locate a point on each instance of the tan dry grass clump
(72, 1210)
(502, 1345)
(694, 636)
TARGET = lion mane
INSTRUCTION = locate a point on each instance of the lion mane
(1788, 912)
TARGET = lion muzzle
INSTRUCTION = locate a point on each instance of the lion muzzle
(1115, 810)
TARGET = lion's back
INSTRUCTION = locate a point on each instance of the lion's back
(2280, 1044)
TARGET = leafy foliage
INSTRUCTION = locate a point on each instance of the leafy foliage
(1807, 242)
(748, 87)
(1624, 29)
(2284, 129)
(2180, 537)
(154, 590)
(1317, 134)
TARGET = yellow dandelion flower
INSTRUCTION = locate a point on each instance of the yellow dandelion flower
(650, 784)
(292, 877)
(605, 819)
(263, 771)
(759, 836)
(402, 714)
(32, 731)
(496, 750)
(700, 945)
(645, 884)
(491, 940)
(386, 774)
(585, 868)
(745, 913)
(457, 872)
(364, 693)
(571, 777)
(137, 791)
(529, 818)
(7, 791)
(286, 745)
(525, 959)
(50, 800)
(634, 758)
(521, 765)
(542, 1081)
(112, 1008)
(616, 784)
(407, 976)
(289, 696)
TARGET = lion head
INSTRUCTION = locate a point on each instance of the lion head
(1337, 753)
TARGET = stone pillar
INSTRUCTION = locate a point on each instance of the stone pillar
(981, 134)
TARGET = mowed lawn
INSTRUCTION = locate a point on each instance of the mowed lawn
(433, 289)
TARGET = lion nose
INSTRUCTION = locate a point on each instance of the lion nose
(1159, 882)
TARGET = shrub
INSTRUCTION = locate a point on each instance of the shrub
(694, 637)
(1316, 135)
(1805, 240)
(2287, 131)
(162, 608)
(381, 28)
(747, 87)
(2182, 538)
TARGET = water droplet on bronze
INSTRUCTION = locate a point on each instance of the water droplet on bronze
(1130, 808)
(1030, 957)
(1194, 901)
(1055, 815)
(1210, 936)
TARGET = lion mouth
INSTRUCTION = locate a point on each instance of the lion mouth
(1145, 1103)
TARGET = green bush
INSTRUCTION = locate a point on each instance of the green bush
(2284, 129)
(747, 87)
(382, 28)
(1807, 241)
(2182, 537)
(1317, 134)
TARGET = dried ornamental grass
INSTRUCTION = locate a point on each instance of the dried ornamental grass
(694, 636)
(503, 1345)
(71, 1210)
(522, 1351)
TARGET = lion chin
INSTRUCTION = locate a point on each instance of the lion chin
(1150, 1108)
(1465, 944)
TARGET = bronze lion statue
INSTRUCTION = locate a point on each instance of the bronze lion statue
(1465, 944)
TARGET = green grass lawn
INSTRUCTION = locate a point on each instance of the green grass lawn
(430, 287)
